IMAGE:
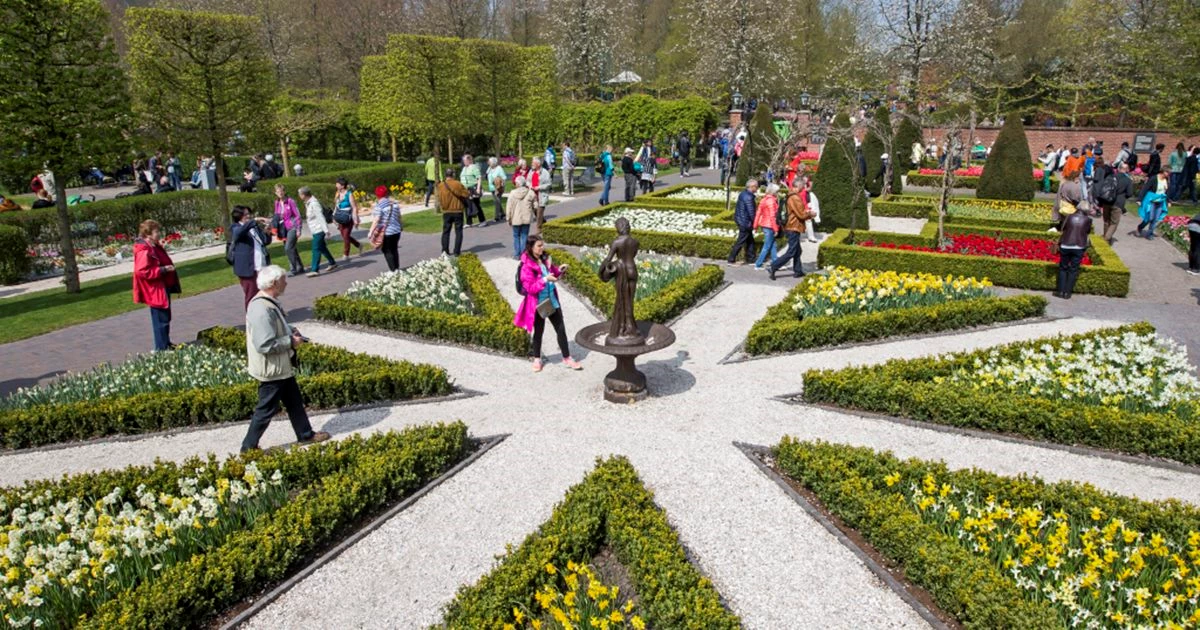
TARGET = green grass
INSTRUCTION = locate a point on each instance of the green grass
(53, 309)
(423, 222)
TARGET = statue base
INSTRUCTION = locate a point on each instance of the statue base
(625, 384)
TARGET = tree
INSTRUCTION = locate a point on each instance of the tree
(1008, 172)
(836, 184)
(379, 100)
(496, 78)
(203, 76)
(582, 33)
(907, 133)
(539, 94)
(428, 76)
(739, 46)
(63, 105)
(876, 143)
(294, 113)
(756, 155)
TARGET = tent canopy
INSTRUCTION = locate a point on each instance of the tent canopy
(625, 77)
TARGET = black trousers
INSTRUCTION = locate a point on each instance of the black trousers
(499, 205)
(429, 183)
(270, 394)
(391, 251)
(631, 182)
(745, 238)
(1194, 250)
(474, 210)
(560, 331)
(449, 220)
(1068, 270)
(793, 254)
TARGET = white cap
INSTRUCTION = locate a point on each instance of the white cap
(883, 157)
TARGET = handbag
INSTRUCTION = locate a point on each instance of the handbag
(545, 308)
(278, 227)
(378, 231)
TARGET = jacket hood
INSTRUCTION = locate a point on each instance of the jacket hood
(521, 192)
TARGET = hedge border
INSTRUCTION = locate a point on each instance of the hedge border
(1107, 275)
(491, 328)
(905, 388)
(277, 544)
(611, 505)
(780, 331)
(569, 231)
(918, 208)
(915, 178)
(343, 379)
(662, 307)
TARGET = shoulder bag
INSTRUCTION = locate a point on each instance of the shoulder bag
(380, 229)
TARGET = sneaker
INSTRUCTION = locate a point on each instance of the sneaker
(360, 250)
(312, 274)
(537, 365)
(572, 364)
(771, 274)
(319, 436)
(346, 257)
(1194, 272)
(333, 267)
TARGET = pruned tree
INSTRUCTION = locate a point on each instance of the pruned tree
(427, 73)
(837, 183)
(296, 112)
(203, 76)
(745, 52)
(379, 99)
(496, 78)
(64, 104)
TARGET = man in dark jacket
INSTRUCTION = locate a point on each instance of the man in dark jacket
(1071, 247)
(1152, 168)
(1191, 165)
(685, 154)
(249, 239)
(631, 176)
(1124, 192)
(743, 215)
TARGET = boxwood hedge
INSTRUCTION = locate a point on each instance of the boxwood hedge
(572, 231)
(915, 178)
(611, 506)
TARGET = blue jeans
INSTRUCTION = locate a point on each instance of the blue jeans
(604, 192)
(319, 248)
(768, 247)
(160, 321)
(520, 236)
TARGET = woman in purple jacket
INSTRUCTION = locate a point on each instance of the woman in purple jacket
(288, 222)
(538, 278)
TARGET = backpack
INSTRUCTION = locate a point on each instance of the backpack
(1106, 190)
(326, 213)
(229, 253)
(520, 287)
(1132, 161)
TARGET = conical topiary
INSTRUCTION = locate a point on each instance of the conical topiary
(907, 132)
(874, 146)
(1009, 170)
(756, 155)
(835, 182)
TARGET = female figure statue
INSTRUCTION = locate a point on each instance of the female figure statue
(621, 266)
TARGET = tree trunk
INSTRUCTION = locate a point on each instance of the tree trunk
(66, 244)
(393, 138)
(283, 155)
(970, 140)
(449, 150)
(222, 193)
(944, 198)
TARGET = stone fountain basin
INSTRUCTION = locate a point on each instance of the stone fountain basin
(657, 337)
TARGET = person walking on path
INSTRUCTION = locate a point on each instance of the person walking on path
(520, 214)
(714, 151)
(287, 225)
(646, 158)
(1191, 166)
(472, 180)
(684, 146)
(1175, 164)
(743, 215)
(452, 198)
(539, 277)
(386, 227)
(271, 345)
(540, 185)
(1124, 192)
(496, 178)
(814, 211)
(549, 160)
(1049, 161)
(314, 214)
(797, 214)
(1071, 247)
(249, 239)
(569, 162)
(631, 177)
(154, 280)
(1068, 200)
(522, 170)
(606, 173)
(433, 170)
(1153, 168)
(1193, 226)
(1154, 207)
(767, 220)
(345, 215)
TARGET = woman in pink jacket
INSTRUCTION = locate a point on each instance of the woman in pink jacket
(767, 218)
(154, 280)
(538, 278)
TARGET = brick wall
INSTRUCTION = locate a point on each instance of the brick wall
(1039, 137)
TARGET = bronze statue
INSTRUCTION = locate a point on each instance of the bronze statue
(621, 265)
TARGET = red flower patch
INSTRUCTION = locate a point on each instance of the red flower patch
(979, 245)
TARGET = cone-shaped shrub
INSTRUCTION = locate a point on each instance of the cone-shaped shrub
(874, 146)
(835, 181)
(906, 134)
(1008, 174)
(756, 154)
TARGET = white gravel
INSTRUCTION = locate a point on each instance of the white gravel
(777, 567)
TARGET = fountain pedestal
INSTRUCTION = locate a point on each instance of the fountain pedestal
(625, 384)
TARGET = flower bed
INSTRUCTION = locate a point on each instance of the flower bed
(980, 245)
(594, 228)
(488, 323)
(174, 545)
(432, 284)
(46, 259)
(672, 285)
(935, 390)
(331, 378)
(1175, 230)
(967, 211)
(1104, 275)
(1011, 552)
(659, 220)
(848, 306)
(609, 507)
(933, 177)
(697, 193)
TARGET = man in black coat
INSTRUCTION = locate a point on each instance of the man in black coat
(685, 154)
(743, 215)
(631, 176)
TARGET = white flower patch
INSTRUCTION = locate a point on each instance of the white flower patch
(430, 284)
(655, 271)
(670, 221)
(696, 193)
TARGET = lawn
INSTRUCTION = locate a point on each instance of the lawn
(46, 311)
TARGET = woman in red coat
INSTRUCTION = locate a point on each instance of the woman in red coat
(154, 279)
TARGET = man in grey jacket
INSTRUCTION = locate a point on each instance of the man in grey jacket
(270, 349)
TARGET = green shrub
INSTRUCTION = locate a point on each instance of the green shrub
(843, 202)
(341, 378)
(780, 331)
(611, 505)
(915, 178)
(1007, 175)
(756, 154)
(572, 231)
(338, 482)
(906, 134)
(14, 255)
(873, 148)
(492, 327)
(907, 388)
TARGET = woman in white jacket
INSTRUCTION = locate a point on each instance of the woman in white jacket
(815, 206)
(314, 215)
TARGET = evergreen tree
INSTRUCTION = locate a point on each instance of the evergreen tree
(907, 132)
(63, 105)
(837, 187)
(874, 146)
(1008, 174)
(756, 155)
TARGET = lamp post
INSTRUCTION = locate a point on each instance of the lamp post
(737, 99)
(804, 100)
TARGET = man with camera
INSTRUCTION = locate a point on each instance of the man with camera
(271, 345)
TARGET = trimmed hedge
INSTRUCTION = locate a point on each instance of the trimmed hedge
(14, 255)
(339, 482)
(926, 208)
(341, 378)
(570, 231)
(1107, 275)
(838, 184)
(965, 585)
(906, 388)
(915, 178)
(492, 327)
(661, 307)
(611, 505)
(780, 331)
(1005, 176)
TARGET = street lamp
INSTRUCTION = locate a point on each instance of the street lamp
(737, 99)
(804, 99)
